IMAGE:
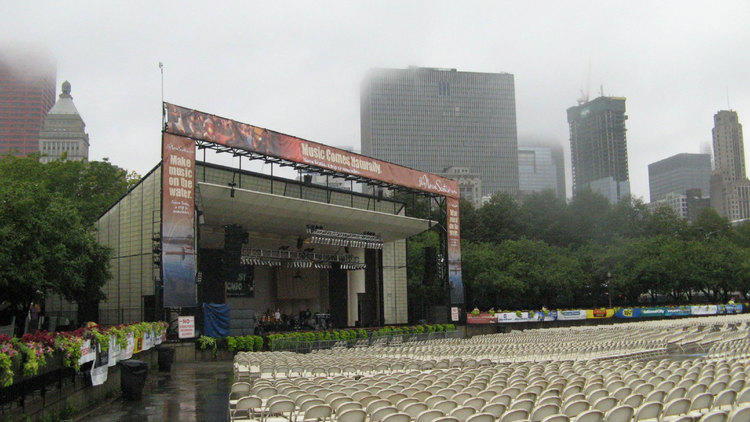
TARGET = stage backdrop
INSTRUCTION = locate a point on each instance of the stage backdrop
(178, 221)
(207, 127)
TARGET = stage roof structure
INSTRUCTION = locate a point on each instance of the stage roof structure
(265, 212)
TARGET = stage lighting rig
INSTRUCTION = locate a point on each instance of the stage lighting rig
(366, 240)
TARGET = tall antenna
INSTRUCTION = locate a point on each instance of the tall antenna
(163, 112)
(728, 106)
(588, 80)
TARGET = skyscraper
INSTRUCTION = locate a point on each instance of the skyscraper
(679, 173)
(541, 168)
(598, 147)
(64, 132)
(730, 188)
(27, 92)
(432, 119)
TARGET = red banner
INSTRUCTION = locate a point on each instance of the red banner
(178, 221)
(483, 318)
(202, 126)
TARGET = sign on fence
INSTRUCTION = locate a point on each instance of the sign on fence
(186, 327)
(571, 315)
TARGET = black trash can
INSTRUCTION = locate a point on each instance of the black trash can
(166, 357)
(133, 375)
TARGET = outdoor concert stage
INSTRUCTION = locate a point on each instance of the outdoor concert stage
(193, 232)
(257, 250)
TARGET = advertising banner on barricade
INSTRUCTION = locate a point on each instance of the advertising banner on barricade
(628, 313)
(733, 308)
(483, 318)
(571, 315)
(548, 316)
(600, 313)
(88, 353)
(675, 312)
(130, 348)
(652, 312)
(147, 342)
(506, 317)
(704, 310)
(100, 367)
(114, 352)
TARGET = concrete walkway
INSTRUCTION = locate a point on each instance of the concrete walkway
(191, 392)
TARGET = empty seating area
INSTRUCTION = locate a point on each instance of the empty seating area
(692, 369)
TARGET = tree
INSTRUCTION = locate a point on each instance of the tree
(547, 218)
(47, 241)
(589, 212)
(45, 247)
(709, 224)
(92, 186)
(498, 220)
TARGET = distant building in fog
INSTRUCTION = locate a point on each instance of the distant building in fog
(730, 188)
(598, 147)
(470, 184)
(64, 132)
(688, 206)
(27, 92)
(431, 119)
(696, 203)
(541, 168)
(678, 174)
(672, 200)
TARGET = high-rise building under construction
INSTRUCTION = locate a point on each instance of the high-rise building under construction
(598, 147)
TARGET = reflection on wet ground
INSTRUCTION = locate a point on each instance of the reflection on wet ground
(191, 392)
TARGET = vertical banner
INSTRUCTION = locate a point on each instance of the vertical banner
(100, 368)
(454, 251)
(178, 221)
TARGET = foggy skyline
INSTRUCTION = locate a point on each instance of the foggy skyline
(297, 67)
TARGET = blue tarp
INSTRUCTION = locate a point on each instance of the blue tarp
(216, 319)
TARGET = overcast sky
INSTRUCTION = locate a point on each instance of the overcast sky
(296, 67)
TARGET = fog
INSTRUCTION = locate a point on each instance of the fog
(296, 67)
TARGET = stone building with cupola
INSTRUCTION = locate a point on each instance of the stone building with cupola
(63, 134)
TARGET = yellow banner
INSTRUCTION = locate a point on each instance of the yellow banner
(599, 313)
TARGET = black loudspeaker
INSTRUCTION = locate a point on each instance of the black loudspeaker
(234, 237)
(430, 266)
(307, 179)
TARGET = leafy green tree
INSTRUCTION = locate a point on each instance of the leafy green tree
(547, 217)
(45, 247)
(92, 186)
(710, 224)
(47, 240)
(500, 219)
(589, 212)
(741, 234)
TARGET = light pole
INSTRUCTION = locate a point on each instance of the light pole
(609, 288)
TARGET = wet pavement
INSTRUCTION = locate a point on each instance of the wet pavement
(191, 392)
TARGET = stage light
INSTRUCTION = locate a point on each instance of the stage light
(368, 240)
(299, 259)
